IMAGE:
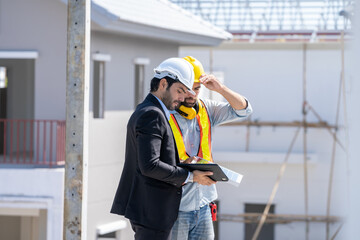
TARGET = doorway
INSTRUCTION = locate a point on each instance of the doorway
(267, 231)
(17, 77)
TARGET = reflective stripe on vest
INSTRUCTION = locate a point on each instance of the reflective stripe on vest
(205, 135)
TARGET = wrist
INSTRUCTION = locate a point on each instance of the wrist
(191, 178)
(222, 89)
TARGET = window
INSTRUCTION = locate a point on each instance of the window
(3, 90)
(140, 64)
(267, 231)
(17, 94)
(99, 84)
(3, 97)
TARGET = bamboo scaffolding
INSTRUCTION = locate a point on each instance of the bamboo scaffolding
(345, 117)
(320, 124)
(337, 231)
(278, 218)
(332, 164)
(275, 188)
(306, 197)
(329, 130)
(211, 64)
(247, 136)
(266, 217)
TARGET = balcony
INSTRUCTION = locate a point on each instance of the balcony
(32, 143)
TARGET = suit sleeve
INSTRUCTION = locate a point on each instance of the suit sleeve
(150, 132)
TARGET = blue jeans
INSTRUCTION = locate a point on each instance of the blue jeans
(194, 225)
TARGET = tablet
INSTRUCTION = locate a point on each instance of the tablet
(218, 174)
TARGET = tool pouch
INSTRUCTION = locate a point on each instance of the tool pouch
(213, 209)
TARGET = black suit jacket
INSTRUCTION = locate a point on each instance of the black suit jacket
(149, 191)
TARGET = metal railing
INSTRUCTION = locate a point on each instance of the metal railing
(32, 142)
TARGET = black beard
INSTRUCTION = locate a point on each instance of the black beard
(167, 100)
(190, 105)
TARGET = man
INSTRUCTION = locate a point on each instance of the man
(149, 191)
(192, 125)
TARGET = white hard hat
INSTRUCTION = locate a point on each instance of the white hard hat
(177, 69)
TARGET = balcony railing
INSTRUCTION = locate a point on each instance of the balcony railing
(32, 142)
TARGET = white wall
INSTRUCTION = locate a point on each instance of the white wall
(270, 76)
(43, 24)
(353, 86)
(120, 71)
(44, 188)
(40, 25)
(106, 159)
(41, 189)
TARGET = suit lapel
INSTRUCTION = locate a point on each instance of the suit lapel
(153, 100)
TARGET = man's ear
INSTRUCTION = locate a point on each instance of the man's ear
(163, 84)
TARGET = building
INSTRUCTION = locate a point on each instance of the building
(128, 39)
(270, 75)
(288, 59)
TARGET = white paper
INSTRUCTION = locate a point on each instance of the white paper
(234, 177)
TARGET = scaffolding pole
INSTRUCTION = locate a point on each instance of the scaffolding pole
(332, 163)
(255, 123)
(307, 230)
(77, 114)
(275, 188)
(341, 90)
(248, 135)
(279, 218)
(328, 128)
(337, 231)
(346, 125)
(211, 65)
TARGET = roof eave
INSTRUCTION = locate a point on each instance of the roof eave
(108, 22)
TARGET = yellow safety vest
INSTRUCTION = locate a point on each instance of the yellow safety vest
(205, 135)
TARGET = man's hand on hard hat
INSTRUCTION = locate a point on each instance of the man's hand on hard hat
(211, 82)
(236, 101)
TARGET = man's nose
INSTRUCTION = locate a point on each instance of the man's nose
(189, 94)
(182, 97)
